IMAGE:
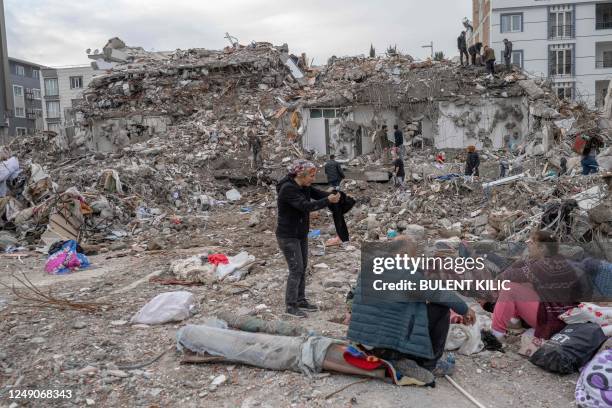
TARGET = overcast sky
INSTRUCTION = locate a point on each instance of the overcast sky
(57, 32)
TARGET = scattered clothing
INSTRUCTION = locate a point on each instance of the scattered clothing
(66, 259)
(217, 259)
(338, 210)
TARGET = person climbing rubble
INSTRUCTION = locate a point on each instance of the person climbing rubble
(333, 171)
(489, 59)
(411, 333)
(294, 205)
(463, 50)
(508, 53)
(255, 146)
(474, 52)
(472, 162)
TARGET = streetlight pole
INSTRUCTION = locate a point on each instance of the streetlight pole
(430, 46)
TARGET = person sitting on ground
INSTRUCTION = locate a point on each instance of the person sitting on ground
(489, 59)
(294, 206)
(474, 51)
(333, 171)
(411, 332)
(542, 287)
(472, 162)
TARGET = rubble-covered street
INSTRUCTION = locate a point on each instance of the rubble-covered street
(155, 182)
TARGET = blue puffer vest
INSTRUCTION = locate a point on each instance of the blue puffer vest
(400, 326)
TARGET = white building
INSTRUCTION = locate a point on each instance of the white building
(62, 89)
(568, 42)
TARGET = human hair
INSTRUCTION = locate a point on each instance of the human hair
(332, 157)
(384, 126)
(395, 127)
(471, 148)
(546, 240)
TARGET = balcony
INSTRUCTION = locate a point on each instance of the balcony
(561, 32)
(603, 16)
(561, 70)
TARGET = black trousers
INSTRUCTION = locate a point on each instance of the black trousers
(439, 324)
(296, 254)
(491, 67)
(339, 222)
(467, 58)
(473, 59)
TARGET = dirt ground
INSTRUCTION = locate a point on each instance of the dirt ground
(43, 348)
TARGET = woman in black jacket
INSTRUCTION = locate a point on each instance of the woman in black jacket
(296, 199)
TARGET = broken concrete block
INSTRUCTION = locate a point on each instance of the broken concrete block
(415, 231)
(532, 89)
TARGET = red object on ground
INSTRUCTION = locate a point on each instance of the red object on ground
(217, 259)
(369, 363)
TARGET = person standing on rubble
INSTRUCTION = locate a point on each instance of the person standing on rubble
(398, 136)
(489, 59)
(474, 51)
(398, 171)
(255, 146)
(294, 205)
(507, 53)
(472, 162)
(333, 171)
(462, 46)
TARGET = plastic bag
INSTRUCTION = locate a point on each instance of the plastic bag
(465, 339)
(167, 307)
(569, 349)
(232, 271)
(66, 259)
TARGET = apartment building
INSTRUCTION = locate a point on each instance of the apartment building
(62, 90)
(6, 100)
(568, 42)
(27, 99)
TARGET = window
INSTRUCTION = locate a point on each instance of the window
(565, 90)
(54, 127)
(316, 113)
(511, 23)
(561, 22)
(21, 131)
(19, 112)
(560, 60)
(53, 109)
(603, 16)
(18, 90)
(517, 58)
(35, 93)
(35, 73)
(51, 88)
(329, 113)
(20, 69)
(76, 82)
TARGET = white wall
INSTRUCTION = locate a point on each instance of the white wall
(450, 135)
(534, 41)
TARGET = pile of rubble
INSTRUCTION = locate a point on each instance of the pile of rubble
(161, 139)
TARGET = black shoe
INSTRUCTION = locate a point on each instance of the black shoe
(295, 311)
(307, 306)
